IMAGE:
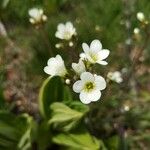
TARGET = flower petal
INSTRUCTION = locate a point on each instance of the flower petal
(69, 26)
(103, 54)
(102, 62)
(49, 71)
(96, 95)
(85, 47)
(95, 46)
(59, 35)
(79, 67)
(100, 82)
(51, 61)
(87, 97)
(61, 27)
(59, 59)
(78, 86)
(87, 76)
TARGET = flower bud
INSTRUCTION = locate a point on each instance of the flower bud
(140, 16)
(136, 31)
(67, 81)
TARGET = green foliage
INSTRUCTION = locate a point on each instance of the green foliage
(5, 3)
(113, 143)
(78, 141)
(65, 118)
(61, 117)
(15, 132)
(52, 90)
(43, 136)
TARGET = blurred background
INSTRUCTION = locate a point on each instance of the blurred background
(122, 117)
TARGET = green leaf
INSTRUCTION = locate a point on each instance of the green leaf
(15, 132)
(52, 90)
(26, 139)
(43, 137)
(64, 117)
(77, 105)
(77, 141)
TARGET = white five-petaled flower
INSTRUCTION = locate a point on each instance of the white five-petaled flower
(55, 66)
(65, 31)
(94, 53)
(115, 76)
(37, 15)
(79, 67)
(89, 87)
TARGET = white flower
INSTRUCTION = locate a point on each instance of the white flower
(65, 31)
(115, 76)
(89, 87)
(79, 67)
(37, 15)
(94, 53)
(136, 31)
(56, 66)
(140, 16)
(126, 108)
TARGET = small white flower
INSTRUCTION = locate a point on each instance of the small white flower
(115, 76)
(140, 16)
(56, 67)
(136, 31)
(94, 53)
(126, 108)
(37, 15)
(89, 87)
(79, 67)
(65, 31)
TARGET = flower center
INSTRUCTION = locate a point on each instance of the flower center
(94, 56)
(67, 35)
(89, 86)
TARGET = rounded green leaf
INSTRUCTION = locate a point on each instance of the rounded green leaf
(52, 90)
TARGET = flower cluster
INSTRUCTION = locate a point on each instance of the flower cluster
(87, 84)
(37, 16)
